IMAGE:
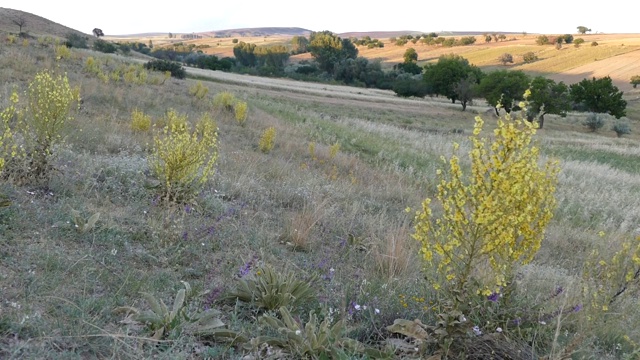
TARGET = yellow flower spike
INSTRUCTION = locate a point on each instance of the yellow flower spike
(496, 214)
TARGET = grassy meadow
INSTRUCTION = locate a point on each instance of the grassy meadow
(326, 204)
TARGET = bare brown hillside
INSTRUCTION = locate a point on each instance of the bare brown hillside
(34, 24)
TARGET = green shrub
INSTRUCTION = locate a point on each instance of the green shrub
(621, 128)
(543, 40)
(183, 157)
(407, 87)
(76, 41)
(594, 121)
(104, 46)
(529, 57)
(177, 71)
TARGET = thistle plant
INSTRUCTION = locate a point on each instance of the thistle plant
(50, 100)
(267, 140)
(183, 157)
(493, 219)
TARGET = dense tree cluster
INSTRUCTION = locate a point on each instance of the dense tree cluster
(329, 49)
(368, 42)
(452, 76)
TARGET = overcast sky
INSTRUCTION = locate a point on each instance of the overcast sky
(119, 17)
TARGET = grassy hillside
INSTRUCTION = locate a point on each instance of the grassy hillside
(325, 205)
(34, 25)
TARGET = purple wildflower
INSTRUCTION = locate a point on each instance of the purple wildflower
(494, 297)
(244, 269)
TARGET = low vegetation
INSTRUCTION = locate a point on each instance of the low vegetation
(153, 216)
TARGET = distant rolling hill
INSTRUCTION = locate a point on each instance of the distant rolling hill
(34, 24)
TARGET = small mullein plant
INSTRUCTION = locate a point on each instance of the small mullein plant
(183, 157)
(8, 147)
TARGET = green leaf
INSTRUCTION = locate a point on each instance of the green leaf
(91, 222)
(178, 303)
(155, 305)
(409, 328)
(151, 318)
(125, 310)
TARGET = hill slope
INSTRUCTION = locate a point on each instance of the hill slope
(34, 24)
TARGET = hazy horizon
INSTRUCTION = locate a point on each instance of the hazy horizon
(118, 17)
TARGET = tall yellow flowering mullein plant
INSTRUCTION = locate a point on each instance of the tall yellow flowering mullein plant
(493, 218)
(8, 147)
(183, 158)
(50, 100)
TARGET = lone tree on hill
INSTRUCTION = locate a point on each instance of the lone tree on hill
(97, 32)
(410, 56)
(583, 29)
(20, 21)
(635, 80)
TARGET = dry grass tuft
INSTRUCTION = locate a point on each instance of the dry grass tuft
(393, 251)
